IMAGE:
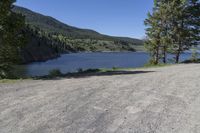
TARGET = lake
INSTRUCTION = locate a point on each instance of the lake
(73, 62)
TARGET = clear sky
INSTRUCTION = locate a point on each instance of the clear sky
(111, 17)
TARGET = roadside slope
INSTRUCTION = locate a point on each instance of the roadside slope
(152, 100)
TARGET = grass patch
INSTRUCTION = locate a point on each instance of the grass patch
(155, 66)
(10, 81)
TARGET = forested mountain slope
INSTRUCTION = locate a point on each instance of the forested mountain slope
(49, 37)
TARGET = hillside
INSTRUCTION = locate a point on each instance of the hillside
(48, 33)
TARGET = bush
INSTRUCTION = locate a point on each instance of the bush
(115, 68)
(92, 70)
(80, 70)
(55, 73)
(194, 56)
(6, 72)
(191, 61)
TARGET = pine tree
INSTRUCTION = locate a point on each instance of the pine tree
(193, 15)
(184, 28)
(176, 23)
(157, 31)
(153, 33)
(11, 37)
(178, 28)
(165, 28)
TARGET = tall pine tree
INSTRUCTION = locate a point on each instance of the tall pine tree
(177, 22)
(12, 38)
(157, 31)
(153, 32)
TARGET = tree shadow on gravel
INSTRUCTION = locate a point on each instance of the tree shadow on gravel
(90, 74)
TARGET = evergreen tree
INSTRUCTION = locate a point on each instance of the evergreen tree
(176, 23)
(165, 39)
(11, 37)
(153, 37)
(157, 32)
(178, 28)
(185, 18)
(193, 15)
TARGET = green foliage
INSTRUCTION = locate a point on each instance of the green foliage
(53, 26)
(9, 81)
(115, 68)
(64, 38)
(195, 55)
(192, 61)
(149, 65)
(12, 37)
(173, 27)
(6, 71)
(80, 70)
(92, 70)
(55, 73)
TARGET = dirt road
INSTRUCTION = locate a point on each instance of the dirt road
(154, 100)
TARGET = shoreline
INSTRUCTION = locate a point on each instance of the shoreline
(67, 53)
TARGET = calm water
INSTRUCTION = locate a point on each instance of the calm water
(72, 62)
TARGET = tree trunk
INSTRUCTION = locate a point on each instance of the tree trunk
(177, 56)
(164, 55)
(157, 56)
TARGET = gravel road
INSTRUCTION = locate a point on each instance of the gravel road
(153, 100)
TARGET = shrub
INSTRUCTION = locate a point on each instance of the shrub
(115, 68)
(80, 70)
(55, 73)
(7, 72)
(194, 56)
(92, 70)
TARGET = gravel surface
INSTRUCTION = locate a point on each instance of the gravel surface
(153, 100)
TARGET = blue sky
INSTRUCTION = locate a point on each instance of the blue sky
(111, 17)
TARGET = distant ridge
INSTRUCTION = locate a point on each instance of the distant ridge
(60, 37)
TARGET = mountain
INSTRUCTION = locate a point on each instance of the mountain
(48, 38)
